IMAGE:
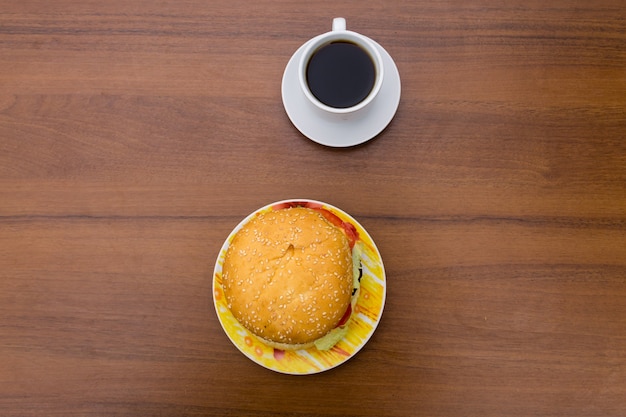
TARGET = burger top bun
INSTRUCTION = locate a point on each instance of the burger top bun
(287, 276)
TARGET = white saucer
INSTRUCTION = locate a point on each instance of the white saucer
(329, 130)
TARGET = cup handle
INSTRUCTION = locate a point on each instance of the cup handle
(339, 23)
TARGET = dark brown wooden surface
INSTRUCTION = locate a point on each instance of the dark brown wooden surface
(134, 135)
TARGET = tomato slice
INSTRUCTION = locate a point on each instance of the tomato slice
(346, 316)
(351, 233)
(289, 204)
(286, 204)
(312, 205)
(331, 217)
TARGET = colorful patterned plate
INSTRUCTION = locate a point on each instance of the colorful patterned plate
(362, 323)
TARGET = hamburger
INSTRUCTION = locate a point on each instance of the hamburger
(289, 276)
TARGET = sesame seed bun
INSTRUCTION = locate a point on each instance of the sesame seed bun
(287, 276)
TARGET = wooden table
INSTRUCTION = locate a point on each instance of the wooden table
(134, 135)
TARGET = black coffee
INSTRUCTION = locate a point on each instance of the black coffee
(340, 74)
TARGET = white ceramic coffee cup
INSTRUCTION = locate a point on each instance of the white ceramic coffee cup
(337, 34)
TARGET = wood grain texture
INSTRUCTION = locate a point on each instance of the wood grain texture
(135, 135)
